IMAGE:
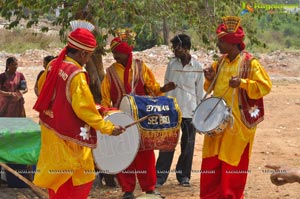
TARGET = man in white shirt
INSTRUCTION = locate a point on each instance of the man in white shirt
(187, 73)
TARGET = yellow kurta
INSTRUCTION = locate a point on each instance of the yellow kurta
(148, 77)
(229, 146)
(40, 83)
(60, 159)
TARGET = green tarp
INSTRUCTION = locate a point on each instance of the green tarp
(20, 140)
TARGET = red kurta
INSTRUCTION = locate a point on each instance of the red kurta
(112, 90)
(11, 107)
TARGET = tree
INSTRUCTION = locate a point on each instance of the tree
(149, 18)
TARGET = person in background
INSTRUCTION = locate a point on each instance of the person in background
(12, 87)
(69, 118)
(46, 61)
(116, 83)
(283, 175)
(242, 82)
(187, 73)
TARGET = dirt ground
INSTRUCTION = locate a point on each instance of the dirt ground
(277, 141)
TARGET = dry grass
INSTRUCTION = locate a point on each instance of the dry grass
(20, 40)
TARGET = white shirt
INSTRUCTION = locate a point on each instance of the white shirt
(189, 80)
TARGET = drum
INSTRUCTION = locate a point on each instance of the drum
(211, 116)
(160, 132)
(115, 153)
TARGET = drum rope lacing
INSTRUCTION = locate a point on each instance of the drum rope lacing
(215, 78)
(212, 110)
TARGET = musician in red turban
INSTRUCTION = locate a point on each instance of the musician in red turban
(242, 82)
(126, 76)
(68, 117)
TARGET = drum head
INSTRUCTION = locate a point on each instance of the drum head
(205, 123)
(115, 153)
(125, 105)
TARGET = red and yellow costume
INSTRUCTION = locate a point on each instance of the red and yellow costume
(67, 112)
(116, 84)
(226, 156)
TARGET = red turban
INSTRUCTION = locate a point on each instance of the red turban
(122, 47)
(236, 37)
(80, 39)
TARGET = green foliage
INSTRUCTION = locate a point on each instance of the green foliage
(151, 18)
(146, 38)
(279, 31)
(145, 17)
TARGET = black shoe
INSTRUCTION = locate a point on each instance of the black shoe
(128, 195)
(154, 192)
(185, 183)
(109, 180)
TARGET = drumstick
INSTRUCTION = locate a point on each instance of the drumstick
(177, 86)
(36, 189)
(189, 71)
(212, 110)
(141, 119)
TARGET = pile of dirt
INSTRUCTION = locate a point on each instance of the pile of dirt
(279, 64)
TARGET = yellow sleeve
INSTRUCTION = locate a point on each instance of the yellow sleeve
(41, 81)
(84, 106)
(105, 93)
(150, 82)
(258, 84)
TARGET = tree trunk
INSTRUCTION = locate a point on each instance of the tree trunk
(94, 66)
(166, 31)
(96, 75)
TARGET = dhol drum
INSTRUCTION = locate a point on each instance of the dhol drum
(160, 132)
(211, 116)
(115, 153)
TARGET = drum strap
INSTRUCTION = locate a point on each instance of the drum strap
(117, 90)
(240, 64)
(138, 80)
(219, 66)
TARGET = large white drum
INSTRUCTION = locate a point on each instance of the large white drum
(115, 153)
(211, 116)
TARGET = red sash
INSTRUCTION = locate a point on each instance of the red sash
(252, 110)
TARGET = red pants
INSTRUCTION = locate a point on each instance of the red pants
(143, 167)
(223, 181)
(68, 191)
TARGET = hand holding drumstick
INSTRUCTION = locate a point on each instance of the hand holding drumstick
(234, 82)
(168, 87)
(118, 130)
(209, 73)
